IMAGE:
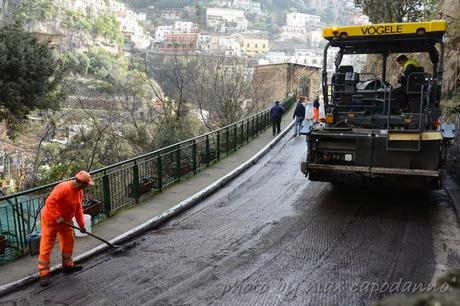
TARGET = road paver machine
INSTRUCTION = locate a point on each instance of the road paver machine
(367, 137)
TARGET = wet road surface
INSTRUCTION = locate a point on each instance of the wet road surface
(268, 238)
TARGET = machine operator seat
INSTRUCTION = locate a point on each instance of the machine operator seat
(344, 82)
(338, 79)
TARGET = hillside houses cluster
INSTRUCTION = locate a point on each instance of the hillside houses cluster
(225, 30)
(130, 24)
(222, 29)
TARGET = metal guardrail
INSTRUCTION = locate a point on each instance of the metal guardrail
(126, 183)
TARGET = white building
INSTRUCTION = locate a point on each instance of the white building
(204, 42)
(300, 56)
(360, 19)
(171, 14)
(231, 47)
(221, 3)
(248, 6)
(129, 26)
(277, 57)
(141, 16)
(302, 20)
(185, 27)
(87, 7)
(225, 45)
(306, 57)
(290, 32)
(315, 38)
(116, 6)
(223, 19)
(161, 31)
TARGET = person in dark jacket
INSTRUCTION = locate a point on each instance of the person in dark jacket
(299, 116)
(276, 112)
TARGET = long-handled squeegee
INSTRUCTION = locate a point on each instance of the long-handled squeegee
(116, 249)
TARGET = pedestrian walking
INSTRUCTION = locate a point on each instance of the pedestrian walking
(299, 116)
(276, 112)
(64, 203)
(316, 109)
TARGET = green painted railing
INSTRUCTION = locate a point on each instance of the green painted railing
(126, 183)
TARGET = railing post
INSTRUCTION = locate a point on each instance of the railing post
(242, 134)
(227, 140)
(136, 185)
(218, 146)
(25, 223)
(106, 193)
(194, 156)
(207, 151)
(258, 124)
(252, 127)
(160, 173)
(247, 131)
(17, 227)
(234, 137)
(178, 162)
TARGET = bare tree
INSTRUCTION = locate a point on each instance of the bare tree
(140, 121)
(224, 91)
(173, 74)
(169, 78)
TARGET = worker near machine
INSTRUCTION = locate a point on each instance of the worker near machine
(299, 116)
(316, 109)
(64, 203)
(276, 112)
(409, 66)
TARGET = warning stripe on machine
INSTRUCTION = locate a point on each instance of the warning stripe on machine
(425, 136)
(375, 170)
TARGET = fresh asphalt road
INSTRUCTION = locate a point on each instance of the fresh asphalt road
(270, 237)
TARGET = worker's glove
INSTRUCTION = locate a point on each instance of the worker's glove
(59, 220)
(83, 230)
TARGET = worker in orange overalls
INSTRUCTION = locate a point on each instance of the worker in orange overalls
(64, 203)
(316, 109)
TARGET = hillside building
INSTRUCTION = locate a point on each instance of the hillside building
(255, 46)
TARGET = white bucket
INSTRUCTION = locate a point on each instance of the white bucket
(87, 226)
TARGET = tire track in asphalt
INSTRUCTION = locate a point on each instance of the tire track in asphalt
(269, 226)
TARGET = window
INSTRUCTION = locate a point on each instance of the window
(247, 45)
(256, 46)
(263, 46)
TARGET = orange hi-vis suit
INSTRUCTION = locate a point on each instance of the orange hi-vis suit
(64, 201)
(315, 114)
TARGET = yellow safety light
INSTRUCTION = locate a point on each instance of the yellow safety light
(335, 31)
(329, 119)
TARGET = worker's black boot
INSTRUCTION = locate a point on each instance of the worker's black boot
(44, 281)
(71, 269)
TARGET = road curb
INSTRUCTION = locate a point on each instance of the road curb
(158, 220)
(453, 191)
